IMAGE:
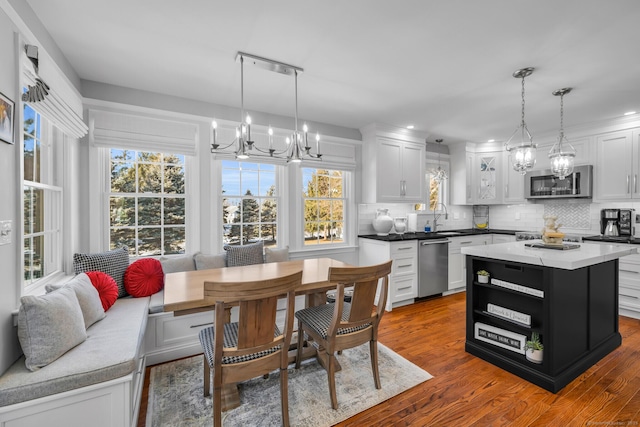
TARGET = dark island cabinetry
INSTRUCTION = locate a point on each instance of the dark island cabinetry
(574, 312)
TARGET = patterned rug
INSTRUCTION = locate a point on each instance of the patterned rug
(176, 399)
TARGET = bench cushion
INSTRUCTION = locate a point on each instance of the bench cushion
(110, 351)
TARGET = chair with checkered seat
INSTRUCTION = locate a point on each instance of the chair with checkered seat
(253, 345)
(342, 325)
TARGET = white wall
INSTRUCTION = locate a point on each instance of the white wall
(9, 170)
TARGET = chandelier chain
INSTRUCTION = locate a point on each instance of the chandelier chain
(523, 100)
(562, 114)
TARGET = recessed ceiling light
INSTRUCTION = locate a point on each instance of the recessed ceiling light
(410, 127)
(628, 113)
(491, 140)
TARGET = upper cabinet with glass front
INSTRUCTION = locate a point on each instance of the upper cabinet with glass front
(393, 165)
(477, 175)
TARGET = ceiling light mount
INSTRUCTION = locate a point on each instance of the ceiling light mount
(242, 145)
(522, 156)
(562, 154)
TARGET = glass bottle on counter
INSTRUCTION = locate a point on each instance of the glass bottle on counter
(427, 227)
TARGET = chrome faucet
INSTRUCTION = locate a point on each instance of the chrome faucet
(436, 216)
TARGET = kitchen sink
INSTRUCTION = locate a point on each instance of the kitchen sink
(448, 233)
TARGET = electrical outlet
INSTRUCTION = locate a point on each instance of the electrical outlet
(517, 216)
(5, 232)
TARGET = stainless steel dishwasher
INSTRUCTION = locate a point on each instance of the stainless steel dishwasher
(433, 267)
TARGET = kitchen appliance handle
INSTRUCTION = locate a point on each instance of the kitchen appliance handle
(434, 242)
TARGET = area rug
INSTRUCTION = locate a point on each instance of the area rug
(176, 398)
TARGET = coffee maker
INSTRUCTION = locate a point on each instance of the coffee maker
(617, 222)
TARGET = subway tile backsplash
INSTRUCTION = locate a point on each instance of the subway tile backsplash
(576, 216)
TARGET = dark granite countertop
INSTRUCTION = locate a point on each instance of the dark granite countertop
(421, 235)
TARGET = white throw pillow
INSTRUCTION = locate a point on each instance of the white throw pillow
(177, 264)
(88, 298)
(276, 255)
(49, 325)
(205, 262)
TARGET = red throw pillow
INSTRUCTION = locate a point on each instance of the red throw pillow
(144, 277)
(106, 286)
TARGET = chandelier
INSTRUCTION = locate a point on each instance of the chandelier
(523, 155)
(297, 146)
(438, 175)
(562, 154)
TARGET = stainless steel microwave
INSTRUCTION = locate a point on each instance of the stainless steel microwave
(544, 184)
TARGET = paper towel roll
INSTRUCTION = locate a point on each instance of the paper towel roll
(412, 223)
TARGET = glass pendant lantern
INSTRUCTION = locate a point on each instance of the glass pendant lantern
(438, 175)
(522, 155)
(562, 154)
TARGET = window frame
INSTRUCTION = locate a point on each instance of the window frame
(99, 180)
(444, 193)
(137, 195)
(344, 198)
(55, 192)
(349, 211)
(279, 178)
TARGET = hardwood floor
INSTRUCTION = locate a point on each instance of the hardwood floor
(467, 391)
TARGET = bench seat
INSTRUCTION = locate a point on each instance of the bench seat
(112, 350)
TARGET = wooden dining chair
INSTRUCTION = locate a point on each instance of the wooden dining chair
(342, 325)
(253, 345)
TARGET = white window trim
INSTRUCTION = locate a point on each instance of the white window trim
(296, 244)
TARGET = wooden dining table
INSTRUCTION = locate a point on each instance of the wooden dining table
(184, 293)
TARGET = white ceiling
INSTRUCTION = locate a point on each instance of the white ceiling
(444, 66)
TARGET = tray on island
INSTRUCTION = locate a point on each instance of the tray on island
(562, 247)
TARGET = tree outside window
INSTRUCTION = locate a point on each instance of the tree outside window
(324, 202)
(147, 204)
(249, 203)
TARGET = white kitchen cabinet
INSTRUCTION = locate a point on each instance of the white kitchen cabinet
(513, 182)
(403, 281)
(457, 261)
(629, 285)
(476, 174)
(488, 186)
(393, 166)
(618, 166)
(582, 144)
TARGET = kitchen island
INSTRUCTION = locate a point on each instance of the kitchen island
(568, 297)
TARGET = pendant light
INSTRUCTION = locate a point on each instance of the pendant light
(243, 146)
(522, 156)
(562, 154)
(439, 175)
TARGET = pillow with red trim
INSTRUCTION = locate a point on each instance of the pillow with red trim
(144, 277)
(106, 286)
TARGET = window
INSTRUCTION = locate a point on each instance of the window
(438, 192)
(324, 202)
(147, 209)
(42, 198)
(249, 203)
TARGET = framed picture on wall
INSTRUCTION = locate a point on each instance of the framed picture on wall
(7, 112)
